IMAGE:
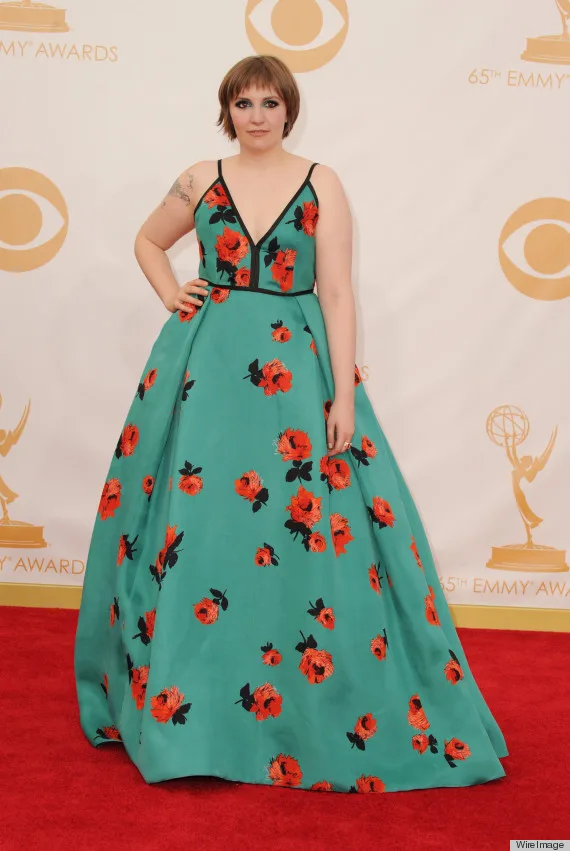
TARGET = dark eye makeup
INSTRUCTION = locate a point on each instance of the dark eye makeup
(269, 102)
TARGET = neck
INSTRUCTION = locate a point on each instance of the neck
(262, 159)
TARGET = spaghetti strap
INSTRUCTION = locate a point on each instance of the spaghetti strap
(219, 168)
(311, 171)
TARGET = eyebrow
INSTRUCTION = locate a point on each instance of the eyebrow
(267, 97)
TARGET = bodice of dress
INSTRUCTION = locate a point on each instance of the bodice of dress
(281, 262)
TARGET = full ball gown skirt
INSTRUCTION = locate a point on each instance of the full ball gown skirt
(253, 609)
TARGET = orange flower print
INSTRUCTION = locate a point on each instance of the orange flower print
(265, 701)
(453, 670)
(148, 485)
(282, 268)
(273, 376)
(421, 742)
(335, 472)
(265, 556)
(305, 511)
(138, 678)
(316, 665)
(431, 612)
(219, 294)
(368, 447)
(270, 656)
(208, 609)
(305, 507)
(190, 482)
(307, 218)
(368, 784)
(374, 578)
(147, 383)
(231, 246)
(146, 627)
(364, 729)
(455, 749)
(414, 549)
(322, 786)
(126, 548)
(381, 512)
(108, 733)
(249, 485)
(168, 706)
(340, 530)
(110, 499)
(321, 613)
(294, 445)
(168, 555)
(379, 646)
(189, 313)
(115, 612)
(127, 441)
(280, 333)
(316, 543)
(284, 770)
(242, 277)
(216, 197)
(416, 715)
(105, 684)
(357, 376)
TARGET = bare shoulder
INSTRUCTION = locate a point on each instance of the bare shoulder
(326, 182)
(191, 184)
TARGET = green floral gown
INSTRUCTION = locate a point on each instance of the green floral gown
(254, 609)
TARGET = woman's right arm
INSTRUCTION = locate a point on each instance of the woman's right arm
(164, 227)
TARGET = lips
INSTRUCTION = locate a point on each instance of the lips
(257, 132)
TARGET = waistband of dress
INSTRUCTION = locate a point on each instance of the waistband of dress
(257, 289)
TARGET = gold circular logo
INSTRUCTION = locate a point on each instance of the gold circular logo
(546, 249)
(21, 219)
(289, 28)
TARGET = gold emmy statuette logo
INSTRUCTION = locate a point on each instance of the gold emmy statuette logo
(21, 219)
(289, 29)
(546, 249)
(552, 49)
(15, 533)
(508, 426)
(33, 17)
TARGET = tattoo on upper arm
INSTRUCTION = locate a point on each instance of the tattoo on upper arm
(178, 190)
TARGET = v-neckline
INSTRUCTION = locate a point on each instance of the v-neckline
(243, 225)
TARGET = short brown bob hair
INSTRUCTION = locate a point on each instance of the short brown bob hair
(259, 70)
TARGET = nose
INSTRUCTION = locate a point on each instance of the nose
(258, 118)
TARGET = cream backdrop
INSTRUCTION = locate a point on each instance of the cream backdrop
(453, 149)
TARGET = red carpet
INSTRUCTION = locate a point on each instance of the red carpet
(60, 793)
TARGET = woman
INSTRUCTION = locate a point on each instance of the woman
(260, 600)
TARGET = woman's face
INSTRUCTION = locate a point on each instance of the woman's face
(258, 116)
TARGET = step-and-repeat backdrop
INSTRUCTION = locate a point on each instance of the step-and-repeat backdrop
(449, 129)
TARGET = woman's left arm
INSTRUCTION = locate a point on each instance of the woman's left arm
(333, 236)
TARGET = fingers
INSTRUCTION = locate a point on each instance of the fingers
(330, 435)
(342, 444)
(188, 294)
(339, 442)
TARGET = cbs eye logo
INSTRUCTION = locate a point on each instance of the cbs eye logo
(541, 265)
(29, 203)
(305, 34)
